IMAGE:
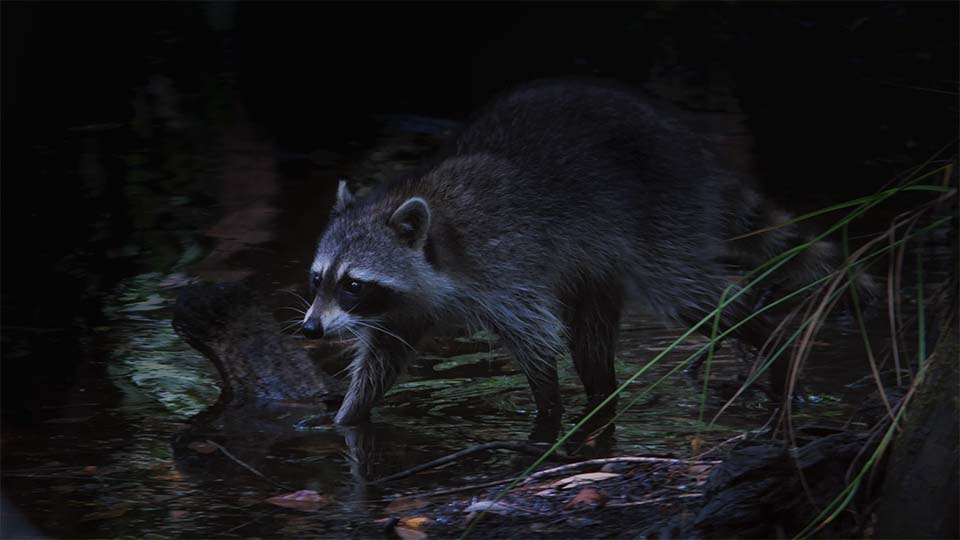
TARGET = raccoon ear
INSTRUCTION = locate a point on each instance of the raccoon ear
(411, 222)
(344, 197)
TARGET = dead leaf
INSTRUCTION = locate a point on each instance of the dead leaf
(178, 514)
(488, 506)
(402, 505)
(305, 499)
(202, 447)
(588, 497)
(90, 469)
(415, 522)
(386, 524)
(696, 444)
(580, 479)
(409, 534)
(699, 472)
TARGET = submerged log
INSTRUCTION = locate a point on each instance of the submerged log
(271, 387)
(229, 324)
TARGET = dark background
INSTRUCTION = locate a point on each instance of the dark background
(839, 97)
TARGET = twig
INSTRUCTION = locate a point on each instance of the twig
(735, 438)
(245, 466)
(516, 446)
(240, 526)
(625, 459)
(653, 501)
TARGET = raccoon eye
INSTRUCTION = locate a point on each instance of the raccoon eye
(317, 278)
(353, 286)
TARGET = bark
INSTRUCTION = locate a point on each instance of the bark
(919, 495)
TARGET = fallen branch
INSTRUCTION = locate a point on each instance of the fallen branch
(244, 465)
(625, 459)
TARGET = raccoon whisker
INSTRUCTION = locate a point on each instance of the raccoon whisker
(298, 296)
(387, 332)
(292, 325)
(342, 371)
(359, 337)
(291, 308)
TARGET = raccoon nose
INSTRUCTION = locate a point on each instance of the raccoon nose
(313, 329)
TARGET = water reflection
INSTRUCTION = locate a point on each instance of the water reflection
(147, 442)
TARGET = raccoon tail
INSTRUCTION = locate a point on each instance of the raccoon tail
(767, 233)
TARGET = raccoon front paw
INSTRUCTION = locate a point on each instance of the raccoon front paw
(351, 416)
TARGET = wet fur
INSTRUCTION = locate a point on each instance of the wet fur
(556, 204)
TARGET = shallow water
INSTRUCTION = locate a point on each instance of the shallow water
(104, 464)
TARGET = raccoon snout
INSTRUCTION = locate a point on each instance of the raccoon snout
(313, 328)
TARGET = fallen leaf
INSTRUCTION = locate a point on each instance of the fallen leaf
(588, 497)
(202, 447)
(580, 479)
(696, 444)
(409, 534)
(305, 499)
(699, 471)
(546, 493)
(90, 469)
(415, 522)
(178, 514)
(402, 505)
(385, 522)
(488, 506)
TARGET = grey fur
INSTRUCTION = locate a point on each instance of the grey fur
(555, 205)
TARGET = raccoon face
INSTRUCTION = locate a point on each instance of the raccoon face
(369, 265)
(342, 300)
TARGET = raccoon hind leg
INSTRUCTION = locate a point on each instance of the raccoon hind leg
(594, 319)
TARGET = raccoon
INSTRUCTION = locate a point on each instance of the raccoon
(554, 206)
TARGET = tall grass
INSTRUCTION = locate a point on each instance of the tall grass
(814, 302)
